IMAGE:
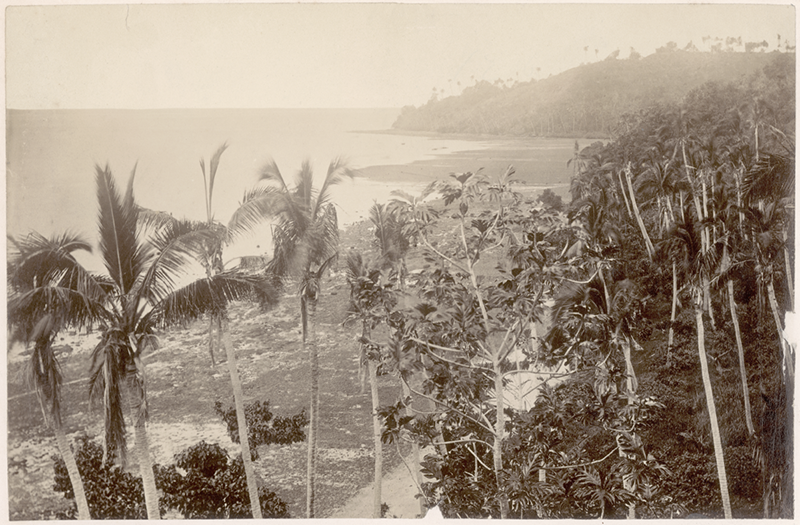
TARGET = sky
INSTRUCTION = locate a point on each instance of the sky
(332, 54)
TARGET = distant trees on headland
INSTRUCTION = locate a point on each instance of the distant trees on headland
(587, 101)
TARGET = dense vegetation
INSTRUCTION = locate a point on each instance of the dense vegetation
(209, 484)
(668, 277)
(582, 102)
(663, 287)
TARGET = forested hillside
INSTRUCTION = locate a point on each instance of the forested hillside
(583, 101)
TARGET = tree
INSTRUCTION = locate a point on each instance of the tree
(136, 296)
(205, 295)
(128, 303)
(686, 246)
(370, 301)
(393, 235)
(306, 238)
(39, 308)
(139, 297)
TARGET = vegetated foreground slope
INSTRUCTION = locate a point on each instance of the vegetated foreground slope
(583, 101)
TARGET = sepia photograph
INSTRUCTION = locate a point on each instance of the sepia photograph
(400, 260)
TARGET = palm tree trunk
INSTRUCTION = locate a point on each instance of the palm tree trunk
(745, 390)
(74, 474)
(788, 369)
(377, 428)
(414, 445)
(211, 339)
(625, 195)
(310, 343)
(241, 420)
(671, 337)
(648, 244)
(146, 469)
(138, 406)
(499, 433)
(712, 410)
(708, 305)
(668, 198)
(788, 262)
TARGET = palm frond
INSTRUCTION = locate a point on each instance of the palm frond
(212, 174)
(338, 172)
(271, 173)
(121, 253)
(355, 267)
(66, 305)
(771, 178)
(173, 247)
(44, 372)
(304, 185)
(153, 220)
(36, 256)
(213, 294)
(258, 205)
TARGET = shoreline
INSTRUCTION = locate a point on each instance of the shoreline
(471, 136)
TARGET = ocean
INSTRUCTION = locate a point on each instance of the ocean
(51, 157)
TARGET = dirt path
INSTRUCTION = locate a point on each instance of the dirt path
(399, 492)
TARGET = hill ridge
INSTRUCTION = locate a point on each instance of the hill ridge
(585, 101)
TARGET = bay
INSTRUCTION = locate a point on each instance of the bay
(51, 157)
(52, 154)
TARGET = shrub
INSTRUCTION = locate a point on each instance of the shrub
(110, 492)
(550, 199)
(263, 429)
(211, 486)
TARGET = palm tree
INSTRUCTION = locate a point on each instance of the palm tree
(42, 274)
(733, 246)
(393, 237)
(141, 296)
(370, 302)
(685, 245)
(772, 179)
(647, 243)
(213, 293)
(128, 304)
(141, 276)
(305, 238)
(767, 245)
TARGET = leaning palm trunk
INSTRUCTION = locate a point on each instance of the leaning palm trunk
(376, 436)
(308, 309)
(708, 305)
(788, 369)
(139, 416)
(712, 409)
(625, 195)
(788, 263)
(745, 390)
(74, 474)
(647, 243)
(414, 445)
(211, 323)
(671, 337)
(146, 469)
(241, 420)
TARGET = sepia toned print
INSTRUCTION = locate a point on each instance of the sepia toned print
(393, 260)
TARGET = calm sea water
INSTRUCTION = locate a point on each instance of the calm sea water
(51, 157)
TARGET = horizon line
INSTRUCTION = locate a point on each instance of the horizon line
(209, 108)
